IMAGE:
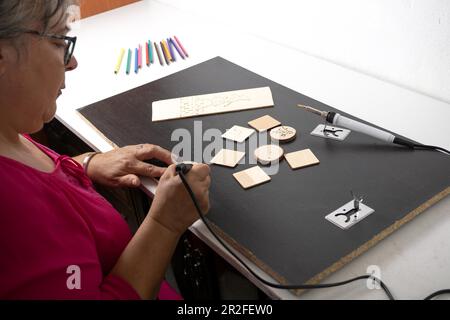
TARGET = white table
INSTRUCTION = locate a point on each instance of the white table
(414, 261)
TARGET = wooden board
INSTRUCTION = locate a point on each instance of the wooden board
(301, 159)
(251, 177)
(264, 123)
(212, 103)
(281, 225)
(238, 133)
(228, 158)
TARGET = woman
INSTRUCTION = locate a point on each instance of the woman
(59, 239)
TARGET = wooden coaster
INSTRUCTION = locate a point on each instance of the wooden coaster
(268, 154)
(300, 159)
(228, 158)
(264, 123)
(238, 133)
(251, 177)
(283, 134)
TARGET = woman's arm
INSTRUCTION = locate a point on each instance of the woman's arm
(121, 167)
(144, 261)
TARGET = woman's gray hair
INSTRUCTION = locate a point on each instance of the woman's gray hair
(17, 15)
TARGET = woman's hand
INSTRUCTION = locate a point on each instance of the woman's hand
(172, 206)
(121, 167)
(144, 261)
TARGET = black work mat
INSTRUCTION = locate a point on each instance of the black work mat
(281, 225)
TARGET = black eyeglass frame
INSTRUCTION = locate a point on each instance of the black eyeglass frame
(71, 41)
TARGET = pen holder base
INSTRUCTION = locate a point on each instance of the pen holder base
(346, 216)
(330, 132)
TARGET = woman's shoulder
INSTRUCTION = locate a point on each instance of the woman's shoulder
(21, 186)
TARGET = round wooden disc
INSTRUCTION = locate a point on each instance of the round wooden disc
(283, 134)
(268, 154)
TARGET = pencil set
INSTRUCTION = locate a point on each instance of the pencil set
(165, 52)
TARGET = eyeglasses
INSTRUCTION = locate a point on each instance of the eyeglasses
(69, 41)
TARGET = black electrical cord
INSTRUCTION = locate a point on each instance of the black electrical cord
(182, 169)
(412, 145)
(437, 293)
(427, 147)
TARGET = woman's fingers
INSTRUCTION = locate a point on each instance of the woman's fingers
(201, 171)
(149, 151)
(148, 170)
(129, 180)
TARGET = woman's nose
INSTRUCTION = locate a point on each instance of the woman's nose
(72, 65)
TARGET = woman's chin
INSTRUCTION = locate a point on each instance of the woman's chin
(49, 119)
(36, 128)
(50, 115)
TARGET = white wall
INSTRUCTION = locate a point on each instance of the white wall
(405, 42)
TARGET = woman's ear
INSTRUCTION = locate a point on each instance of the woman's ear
(7, 56)
(3, 58)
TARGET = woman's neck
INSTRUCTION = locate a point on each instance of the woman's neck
(9, 138)
(18, 148)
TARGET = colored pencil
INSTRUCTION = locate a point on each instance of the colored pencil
(119, 62)
(165, 52)
(172, 55)
(140, 56)
(158, 53)
(136, 58)
(177, 48)
(146, 54)
(181, 46)
(129, 61)
(150, 51)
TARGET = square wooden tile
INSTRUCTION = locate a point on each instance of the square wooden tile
(228, 158)
(251, 177)
(301, 159)
(238, 133)
(264, 123)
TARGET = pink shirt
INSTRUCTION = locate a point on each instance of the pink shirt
(51, 221)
